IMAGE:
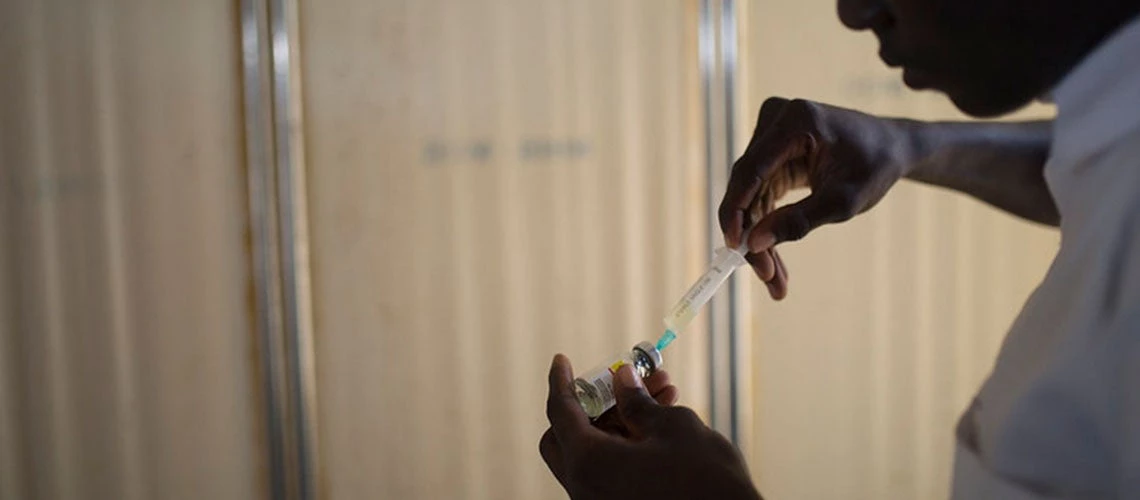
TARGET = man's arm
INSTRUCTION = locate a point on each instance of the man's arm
(999, 163)
(850, 160)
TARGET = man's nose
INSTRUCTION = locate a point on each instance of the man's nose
(863, 14)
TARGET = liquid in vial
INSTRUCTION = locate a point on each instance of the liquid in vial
(595, 388)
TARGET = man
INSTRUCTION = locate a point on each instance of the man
(1059, 416)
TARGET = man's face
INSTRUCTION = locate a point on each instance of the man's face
(990, 57)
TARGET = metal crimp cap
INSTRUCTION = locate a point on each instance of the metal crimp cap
(651, 350)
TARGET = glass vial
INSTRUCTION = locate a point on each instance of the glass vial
(595, 388)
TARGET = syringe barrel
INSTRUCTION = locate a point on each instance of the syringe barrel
(725, 261)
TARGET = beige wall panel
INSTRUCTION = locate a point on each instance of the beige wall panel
(124, 327)
(491, 182)
(893, 319)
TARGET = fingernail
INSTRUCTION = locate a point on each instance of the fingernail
(758, 242)
(777, 292)
(628, 378)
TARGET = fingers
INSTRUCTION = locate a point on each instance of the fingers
(567, 419)
(763, 264)
(792, 222)
(635, 406)
(744, 184)
(769, 147)
(612, 423)
(662, 390)
(552, 454)
(769, 267)
(667, 396)
(656, 381)
(778, 287)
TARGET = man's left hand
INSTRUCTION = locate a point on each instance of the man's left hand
(648, 450)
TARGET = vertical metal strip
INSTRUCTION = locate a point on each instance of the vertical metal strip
(706, 51)
(293, 227)
(278, 242)
(262, 220)
(718, 58)
(728, 46)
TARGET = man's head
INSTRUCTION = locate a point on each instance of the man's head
(989, 56)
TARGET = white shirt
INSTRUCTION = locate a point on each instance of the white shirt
(1059, 416)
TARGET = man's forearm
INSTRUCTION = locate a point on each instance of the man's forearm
(999, 163)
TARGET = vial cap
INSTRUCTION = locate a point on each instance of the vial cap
(651, 350)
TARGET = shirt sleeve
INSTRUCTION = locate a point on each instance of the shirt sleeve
(1128, 416)
(1125, 371)
(974, 481)
(1109, 381)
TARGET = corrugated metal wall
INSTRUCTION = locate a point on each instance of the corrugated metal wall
(893, 319)
(125, 342)
(491, 182)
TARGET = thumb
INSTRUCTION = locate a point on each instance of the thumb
(792, 222)
(637, 409)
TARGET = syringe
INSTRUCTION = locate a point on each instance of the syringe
(595, 389)
(725, 261)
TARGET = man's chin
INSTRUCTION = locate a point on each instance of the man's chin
(985, 106)
(979, 104)
(917, 79)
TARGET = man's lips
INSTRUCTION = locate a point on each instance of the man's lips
(890, 58)
(912, 77)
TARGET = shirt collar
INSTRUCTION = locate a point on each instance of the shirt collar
(1098, 102)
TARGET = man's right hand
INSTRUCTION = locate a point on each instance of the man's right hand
(848, 159)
